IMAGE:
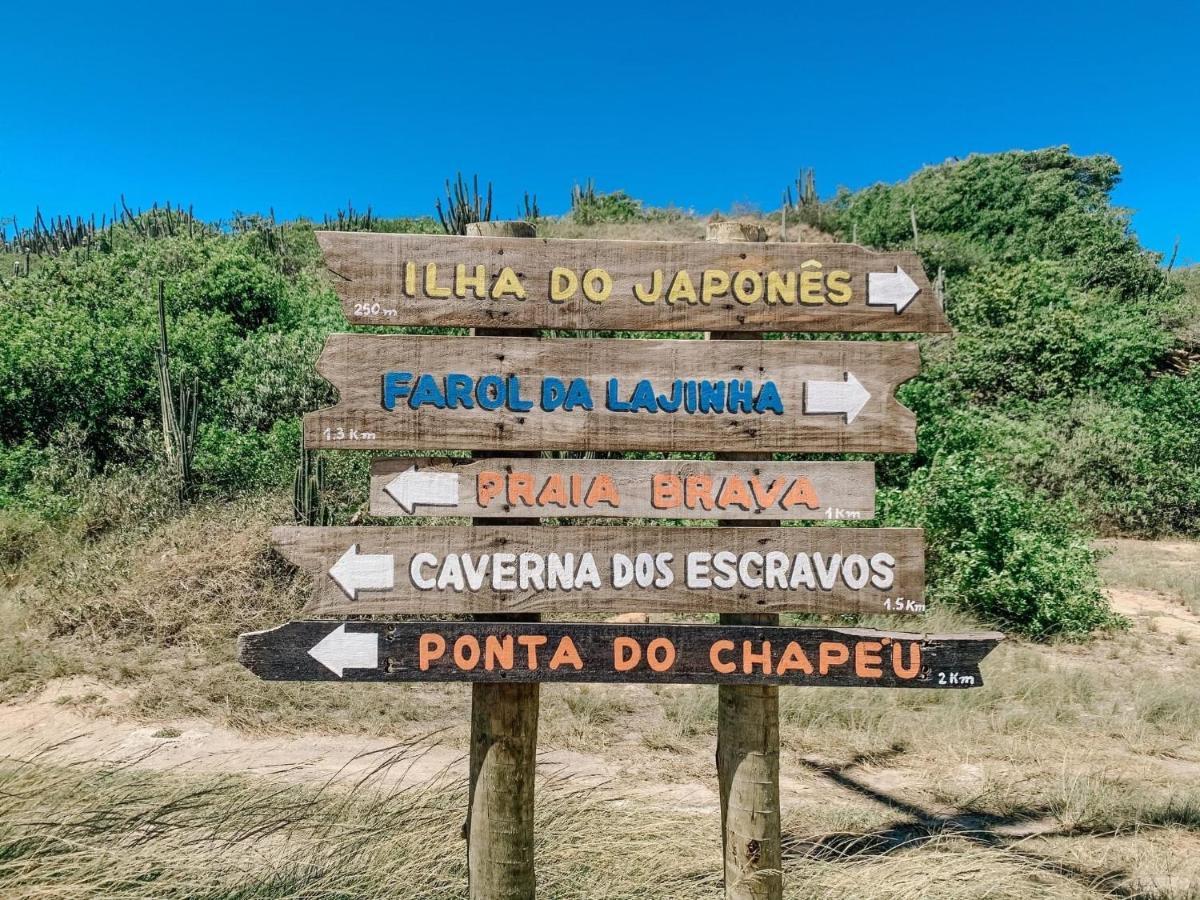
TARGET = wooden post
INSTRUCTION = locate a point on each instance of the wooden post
(504, 720)
(748, 725)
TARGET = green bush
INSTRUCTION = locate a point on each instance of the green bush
(1016, 559)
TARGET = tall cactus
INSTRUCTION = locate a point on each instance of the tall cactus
(463, 206)
(179, 410)
(307, 487)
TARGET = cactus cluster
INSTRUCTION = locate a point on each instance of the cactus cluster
(805, 204)
(179, 410)
(463, 206)
(60, 234)
(307, 487)
(349, 219)
(531, 212)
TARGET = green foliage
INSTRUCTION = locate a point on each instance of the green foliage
(1008, 555)
(590, 207)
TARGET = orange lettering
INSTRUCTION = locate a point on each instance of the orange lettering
(801, 493)
(867, 661)
(627, 653)
(734, 493)
(566, 653)
(603, 491)
(698, 490)
(665, 490)
(750, 658)
(520, 487)
(660, 654)
(764, 497)
(793, 658)
(714, 657)
(466, 652)
(913, 669)
(498, 650)
(531, 642)
(831, 654)
(429, 647)
(554, 491)
(487, 487)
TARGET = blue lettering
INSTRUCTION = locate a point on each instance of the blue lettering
(515, 403)
(578, 394)
(458, 391)
(489, 393)
(768, 399)
(612, 401)
(712, 396)
(427, 392)
(553, 392)
(671, 404)
(395, 386)
(741, 396)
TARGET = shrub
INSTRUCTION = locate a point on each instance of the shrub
(999, 551)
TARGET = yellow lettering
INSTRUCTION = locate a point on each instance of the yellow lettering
(652, 295)
(682, 288)
(431, 285)
(746, 295)
(563, 284)
(476, 282)
(812, 288)
(507, 282)
(781, 287)
(597, 285)
(838, 283)
(715, 283)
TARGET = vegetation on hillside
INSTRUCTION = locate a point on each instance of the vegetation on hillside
(1064, 403)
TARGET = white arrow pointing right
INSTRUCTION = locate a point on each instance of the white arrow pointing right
(835, 397)
(356, 572)
(412, 488)
(340, 650)
(894, 289)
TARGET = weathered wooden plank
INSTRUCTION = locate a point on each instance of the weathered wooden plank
(501, 488)
(575, 652)
(421, 279)
(414, 392)
(530, 569)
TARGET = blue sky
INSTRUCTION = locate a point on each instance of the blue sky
(302, 107)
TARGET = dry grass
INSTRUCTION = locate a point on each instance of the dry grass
(1071, 773)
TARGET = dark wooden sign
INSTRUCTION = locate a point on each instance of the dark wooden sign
(598, 568)
(632, 488)
(573, 652)
(421, 279)
(417, 392)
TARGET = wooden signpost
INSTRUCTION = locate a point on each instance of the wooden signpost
(510, 392)
(494, 488)
(394, 279)
(530, 569)
(654, 654)
(419, 392)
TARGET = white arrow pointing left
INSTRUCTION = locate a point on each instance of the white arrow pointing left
(339, 650)
(835, 397)
(356, 572)
(412, 488)
(894, 289)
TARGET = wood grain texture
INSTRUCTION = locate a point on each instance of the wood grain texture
(748, 723)
(505, 487)
(841, 552)
(356, 364)
(870, 658)
(368, 271)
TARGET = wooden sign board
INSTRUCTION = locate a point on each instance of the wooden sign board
(655, 654)
(633, 488)
(417, 392)
(421, 279)
(597, 568)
